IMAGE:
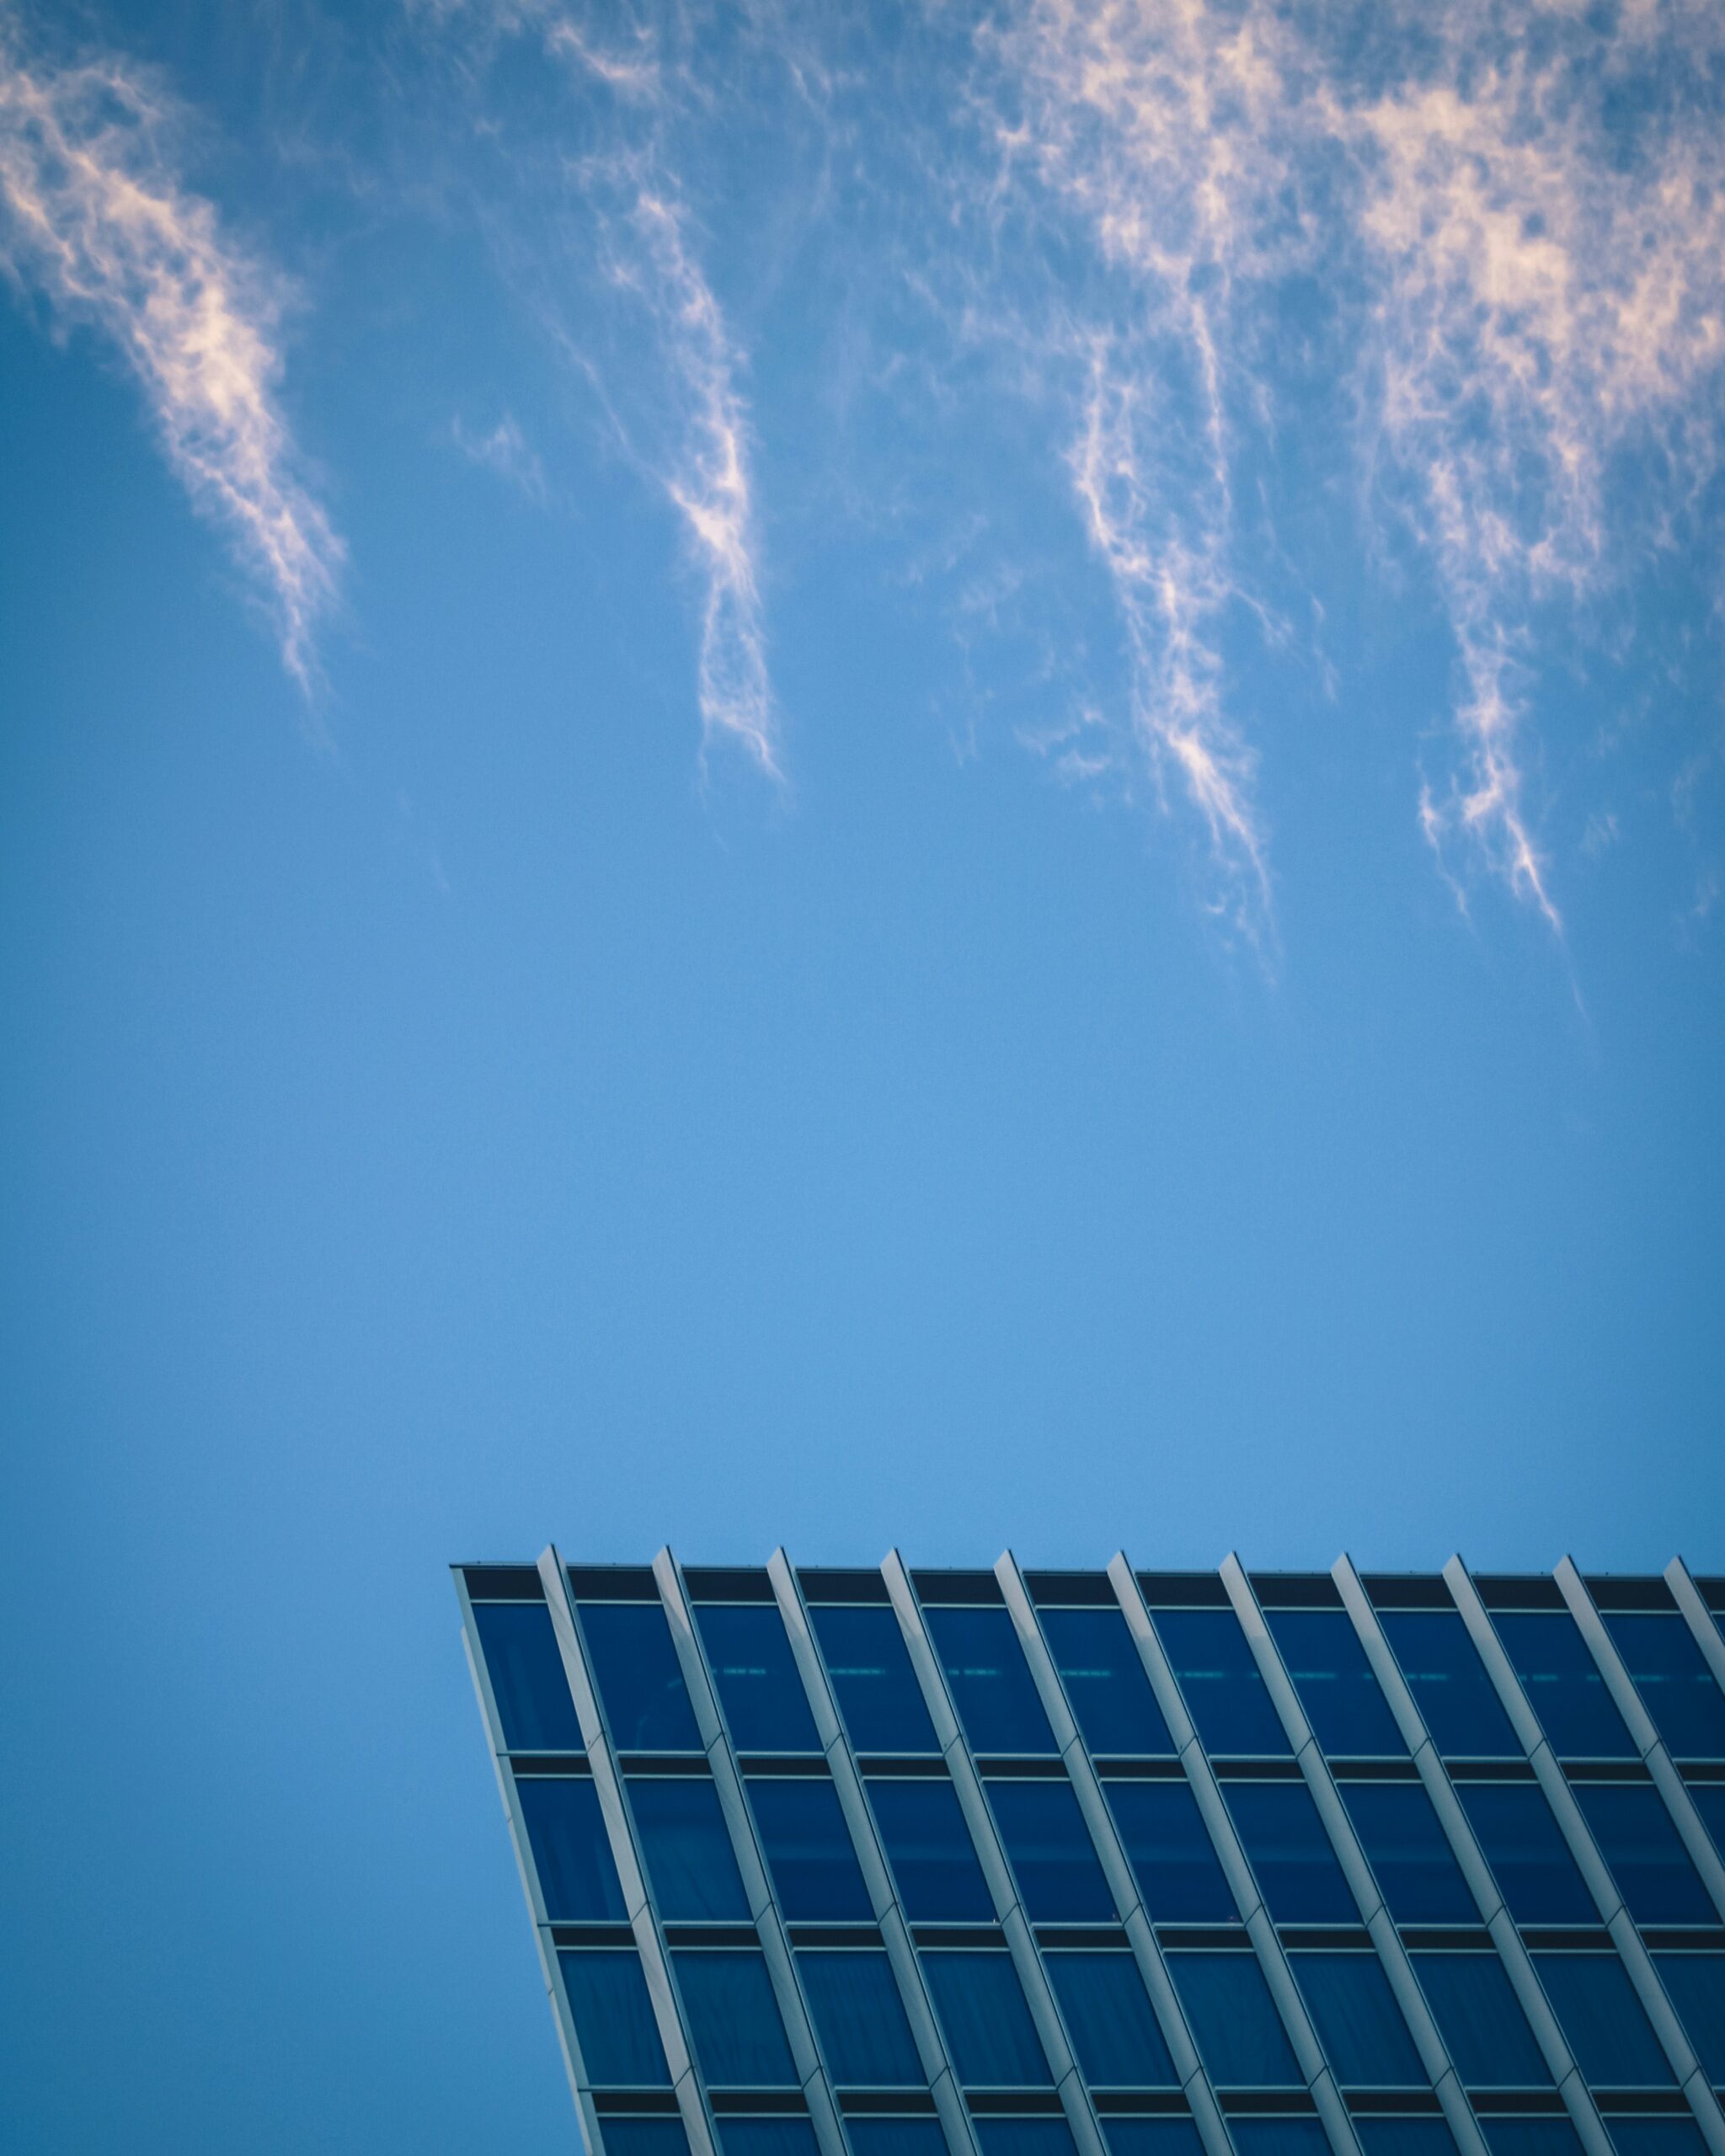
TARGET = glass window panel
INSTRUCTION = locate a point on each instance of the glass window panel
(860, 2019)
(1225, 1695)
(759, 1689)
(613, 2018)
(1358, 2021)
(1529, 1857)
(1530, 2138)
(639, 1678)
(1289, 1851)
(1170, 1851)
(1637, 1839)
(644, 2137)
(1709, 1800)
(989, 2032)
(1151, 2138)
(1676, 1686)
(527, 1679)
(686, 1848)
(928, 1845)
(734, 2020)
(1049, 2136)
(1300, 2136)
(1597, 2011)
(1694, 1984)
(1563, 1684)
(1407, 1850)
(808, 1849)
(1343, 1701)
(873, 1681)
(1449, 1685)
(1656, 2137)
(990, 1679)
(571, 1851)
(1050, 1851)
(1405, 2136)
(1111, 1698)
(747, 2136)
(1114, 2028)
(1234, 2021)
(890, 2137)
(1481, 2021)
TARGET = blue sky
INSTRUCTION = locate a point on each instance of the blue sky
(940, 775)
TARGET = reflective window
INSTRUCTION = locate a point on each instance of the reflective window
(1298, 2135)
(1358, 2021)
(873, 1681)
(1107, 2012)
(1652, 1868)
(990, 2034)
(809, 1853)
(1563, 1684)
(613, 2018)
(744, 2137)
(1530, 1858)
(640, 1680)
(1110, 1695)
(859, 2018)
(571, 1852)
(1039, 2136)
(890, 2136)
(661, 2136)
(1225, 1694)
(1676, 1684)
(734, 2020)
(527, 1679)
(1170, 1851)
(1417, 1872)
(1050, 1851)
(765, 1704)
(990, 1680)
(1708, 1799)
(1168, 2137)
(686, 1848)
(1343, 1701)
(1457, 1699)
(1694, 1984)
(1597, 2011)
(1234, 2021)
(1391, 2136)
(1530, 2138)
(1289, 1851)
(929, 1847)
(1656, 2137)
(1481, 2021)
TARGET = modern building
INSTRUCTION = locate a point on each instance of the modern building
(1017, 1863)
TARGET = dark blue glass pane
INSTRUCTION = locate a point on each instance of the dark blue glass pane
(1051, 1854)
(1114, 2029)
(1151, 2138)
(1407, 1850)
(763, 2137)
(990, 1680)
(1110, 1695)
(1234, 2021)
(1301, 2135)
(1225, 1695)
(663, 2136)
(1358, 2021)
(613, 2018)
(1343, 1701)
(1047, 2136)
(686, 1848)
(808, 1849)
(1563, 1684)
(1694, 1983)
(734, 2020)
(1531, 1859)
(1481, 2021)
(1449, 1684)
(872, 1679)
(858, 2015)
(571, 1853)
(1405, 2136)
(765, 1705)
(1597, 2011)
(1170, 1851)
(928, 1845)
(1676, 1686)
(639, 1678)
(1709, 1800)
(1651, 1867)
(890, 2136)
(989, 2032)
(1530, 2138)
(1657, 2138)
(1284, 1840)
(526, 1674)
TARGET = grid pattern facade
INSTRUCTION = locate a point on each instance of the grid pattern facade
(1011, 1863)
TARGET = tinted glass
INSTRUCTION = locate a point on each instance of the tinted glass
(1694, 1983)
(913, 2136)
(855, 2006)
(686, 1848)
(1151, 2138)
(613, 2018)
(1530, 2138)
(1170, 1851)
(1107, 2012)
(527, 1680)
(734, 2020)
(1110, 1695)
(815, 1875)
(1405, 2136)
(1358, 2021)
(1234, 2021)
(928, 1845)
(990, 1680)
(1342, 1700)
(1299, 2136)
(1284, 1840)
(645, 2137)
(1480, 2019)
(1597, 2011)
(990, 2034)
(1656, 2137)
(1535, 1871)
(1709, 1800)
(1449, 1683)
(1408, 1851)
(1224, 1692)
(571, 1853)
(765, 1705)
(1047, 2136)
(1676, 1686)
(873, 1681)
(1650, 1864)
(639, 1679)
(1563, 1684)
(758, 2138)
(1050, 1851)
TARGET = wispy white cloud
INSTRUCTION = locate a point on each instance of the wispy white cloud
(504, 450)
